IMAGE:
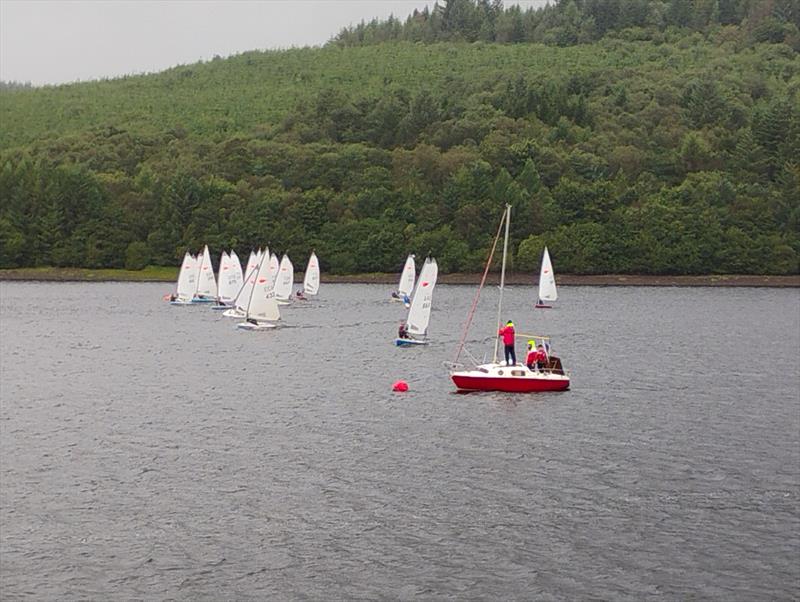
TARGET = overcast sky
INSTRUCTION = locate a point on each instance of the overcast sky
(58, 41)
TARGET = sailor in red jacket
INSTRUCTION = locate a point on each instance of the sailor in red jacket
(508, 334)
(536, 358)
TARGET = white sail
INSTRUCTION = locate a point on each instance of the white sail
(187, 278)
(419, 316)
(236, 266)
(547, 280)
(206, 282)
(274, 267)
(230, 277)
(263, 306)
(243, 298)
(406, 284)
(311, 278)
(283, 283)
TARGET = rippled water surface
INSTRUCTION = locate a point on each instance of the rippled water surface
(149, 451)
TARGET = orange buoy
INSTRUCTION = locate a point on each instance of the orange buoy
(400, 386)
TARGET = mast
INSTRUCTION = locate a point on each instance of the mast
(502, 281)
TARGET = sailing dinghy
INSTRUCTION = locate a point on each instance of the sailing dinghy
(310, 279)
(230, 280)
(419, 314)
(497, 376)
(547, 283)
(406, 284)
(206, 282)
(239, 309)
(187, 281)
(262, 308)
(284, 280)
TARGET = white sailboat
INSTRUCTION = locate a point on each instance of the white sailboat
(310, 278)
(262, 308)
(242, 298)
(230, 280)
(547, 283)
(497, 376)
(406, 284)
(284, 280)
(187, 281)
(206, 282)
(419, 315)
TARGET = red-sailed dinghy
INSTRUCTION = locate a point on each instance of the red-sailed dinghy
(497, 376)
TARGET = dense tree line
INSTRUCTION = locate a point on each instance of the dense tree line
(569, 22)
(676, 156)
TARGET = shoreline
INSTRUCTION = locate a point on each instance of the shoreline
(170, 274)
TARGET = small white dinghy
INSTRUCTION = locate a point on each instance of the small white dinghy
(239, 309)
(547, 283)
(230, 280)
(206, 282)
(284, 281)
(310, 279)
(419, 315)
(406, 285)
(187, 281)
(262, 310)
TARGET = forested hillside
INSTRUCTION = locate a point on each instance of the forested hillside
(660, 140)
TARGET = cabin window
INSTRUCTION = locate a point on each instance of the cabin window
(484, 370)
(500, 373)
(517, 373)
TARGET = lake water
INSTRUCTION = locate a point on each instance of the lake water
(151, 452)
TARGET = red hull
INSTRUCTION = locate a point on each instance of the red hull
(509, 385)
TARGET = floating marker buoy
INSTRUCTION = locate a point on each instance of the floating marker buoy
(400, 386)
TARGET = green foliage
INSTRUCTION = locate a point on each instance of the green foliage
(630, 137)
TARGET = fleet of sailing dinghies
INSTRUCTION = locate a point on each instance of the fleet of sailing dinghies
(547, 283)
(406, 284)
(419, 314)
(496, 376)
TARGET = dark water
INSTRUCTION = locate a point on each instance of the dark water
(153, 452)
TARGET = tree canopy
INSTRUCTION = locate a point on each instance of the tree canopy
(659, 139)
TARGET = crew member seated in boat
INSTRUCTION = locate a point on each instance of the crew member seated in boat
(252, 321)
(508, 334)
(406, 300)
(402, 331)
(395, 295)
(530, 359)
(300, 295)
(173, 297)
(541, 358)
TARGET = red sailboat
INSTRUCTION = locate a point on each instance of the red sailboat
(497, 376)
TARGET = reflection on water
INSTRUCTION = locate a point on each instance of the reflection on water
(149, 451)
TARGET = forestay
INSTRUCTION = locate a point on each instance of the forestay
(419, 315)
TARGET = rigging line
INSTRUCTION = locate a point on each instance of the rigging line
(478, 294)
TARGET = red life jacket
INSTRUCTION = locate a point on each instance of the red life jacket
(508, 335)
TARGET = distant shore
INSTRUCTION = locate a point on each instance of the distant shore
(168, 274)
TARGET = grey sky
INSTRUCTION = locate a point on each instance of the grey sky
(51, 42)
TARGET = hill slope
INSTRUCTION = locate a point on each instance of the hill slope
(673, 156)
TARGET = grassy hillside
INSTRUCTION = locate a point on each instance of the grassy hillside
(675, 154)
